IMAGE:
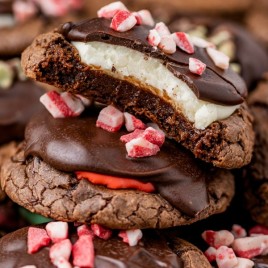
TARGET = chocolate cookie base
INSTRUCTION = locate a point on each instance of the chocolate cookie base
(154, 250)
(227, 143)
(41, 189)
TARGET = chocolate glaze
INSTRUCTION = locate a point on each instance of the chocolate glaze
(6, 7)
(152, 252)
(17, 105)
(215, 85)
(73, 144)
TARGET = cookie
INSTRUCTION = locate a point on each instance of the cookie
(42, 177)
(232, 39)
(22, 21)
(256, 173)
(224, 138)
(153, 250)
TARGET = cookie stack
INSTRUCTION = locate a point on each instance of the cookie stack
(141, 136)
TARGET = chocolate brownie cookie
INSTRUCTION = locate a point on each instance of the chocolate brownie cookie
(247, 56)
(41, 177)
(154, 250)
(220, 132)
(257, 171)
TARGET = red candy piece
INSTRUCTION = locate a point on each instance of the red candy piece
(83, 252)
(132, 122)
(101, 232)
(123, 21)
(110, 119)
(37, 238)
(196, 66)
(210, 253)
(219, 238)
(57, 230)
(154, 38)
(84, 230)
(140, 147)
(225, 257)
(220, 59)
(162, 29)
(133, 135)
(110, 10)
(258, 229)
(238, 231)
(154, 136)
(183, 41)
(60, 250)
(167, 44)
(131, 237)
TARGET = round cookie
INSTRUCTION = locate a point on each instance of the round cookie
(154, 250)
(257, 172)
(40, 177)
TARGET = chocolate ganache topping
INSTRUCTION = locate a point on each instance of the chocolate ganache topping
(215, 85)
(76, 144)
(152, 252)
(17, 104)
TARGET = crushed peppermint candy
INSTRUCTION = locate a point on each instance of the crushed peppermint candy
(110, 10)
(123, 21)
(220, 59)
(167, 44)
(144, 17)
(196, 66)
(225, 257)
(131, 237)
(183, 41)
(154, 38)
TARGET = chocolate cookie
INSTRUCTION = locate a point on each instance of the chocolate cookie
(154, 250)
(257, 171)
(227, 143)
(232, 39)
(41, 177)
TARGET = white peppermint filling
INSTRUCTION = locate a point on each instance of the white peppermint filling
(129, 64)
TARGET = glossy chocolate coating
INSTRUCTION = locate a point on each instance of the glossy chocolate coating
(17, 105)
(73, 144)
(152, 252)
(215, 85)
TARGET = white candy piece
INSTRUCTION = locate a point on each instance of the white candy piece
(219, 58)
(196, 66)
(225, 257)
(57, 230)
(162, 29)
(154, 38)
(62, 263)
(146, 17)
(132, 237)
(244, 263)
(110, 10)
(123, 21)
(132, 122)
(238, 231)
(28, 266)
(200, 42)
(60, 250)
(218, 238)
(86, 102)
(167, 44)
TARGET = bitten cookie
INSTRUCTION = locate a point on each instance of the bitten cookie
(153, 250)
(204, 112)
(43, 176)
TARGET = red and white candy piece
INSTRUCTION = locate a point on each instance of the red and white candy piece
(249, 247)
(83, 252)
(62, 263)
(62, 105)
(86, 102)
(140, 147)
(60, 250)
(225, 257)
(24, 10)
(219, 238)
(110, 119)
(132, 122)
(200, 42)
(154, 38)
(131, 237)
(133, 135)
(196, 66)
(154, 136)
(258, 229)
(144, 17)
(238, 231)
(220, 59)
(101, 231)
(183, 41)
(167, 44)
(123, 21)
(244, 263)
(37, 238)
(210, 253)
(110, 10)
(162, 29)
(84, 230)
(57, 231)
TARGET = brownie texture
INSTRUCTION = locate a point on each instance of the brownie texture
(42, 189)
(257, 172)
(226, 143)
